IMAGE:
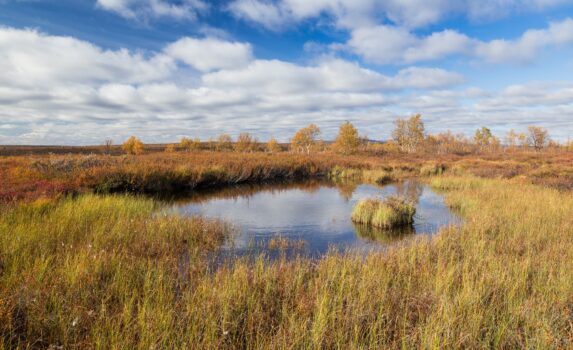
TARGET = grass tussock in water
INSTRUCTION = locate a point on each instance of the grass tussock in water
(384, 213)
(104, 272)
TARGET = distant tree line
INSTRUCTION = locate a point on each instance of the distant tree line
(408, 136)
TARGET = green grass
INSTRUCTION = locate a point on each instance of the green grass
(387, 213)
(106, 272)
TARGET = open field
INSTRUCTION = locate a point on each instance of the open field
(105, 271)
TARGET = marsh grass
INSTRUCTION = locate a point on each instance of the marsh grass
(96, 271)
(380, 176)
(385, 213)
(103, 272)
(284, 243)
(36, 176)
(432, 169)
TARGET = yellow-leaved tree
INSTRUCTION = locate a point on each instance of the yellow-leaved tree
(189, 145)
(133, 145)
(347, 141)
(273, 146)
(224, 142)
(245, 143)
(305, 139)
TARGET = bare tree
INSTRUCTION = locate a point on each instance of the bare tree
(108, 143)
(537, 137)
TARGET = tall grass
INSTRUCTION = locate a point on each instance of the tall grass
(106, 272)
(96, 271)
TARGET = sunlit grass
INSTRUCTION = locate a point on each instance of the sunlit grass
(386, 213)
(92, 270)
(108, 272)
(35, 176)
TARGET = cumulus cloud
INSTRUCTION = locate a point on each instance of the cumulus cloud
(145, 9)
(44, 92)
(385, 44)
(31, 58)
(352, 14)
(63, 90)
(332, 75)
(529, 95)
(210, 53)
(266, 14)
(528, 45)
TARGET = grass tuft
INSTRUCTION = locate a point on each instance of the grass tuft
(387, 213)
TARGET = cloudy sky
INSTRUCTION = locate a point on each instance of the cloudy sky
(81, 71)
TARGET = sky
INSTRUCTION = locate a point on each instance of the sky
(78, 72)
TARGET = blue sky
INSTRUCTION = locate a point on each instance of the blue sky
(81, 71)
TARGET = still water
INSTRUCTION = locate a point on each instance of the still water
(311, 217)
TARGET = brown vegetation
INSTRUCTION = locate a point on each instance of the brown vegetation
(30, 177)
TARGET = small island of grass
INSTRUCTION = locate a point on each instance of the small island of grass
(384, 213)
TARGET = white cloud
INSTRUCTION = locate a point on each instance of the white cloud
(210, 53)
(396, 45)
(426, 78)
(145, 9)
(352, 14)
(30, 58)
(528, 45)
(263, 13)
(279, 77)
(529, 95)
(89, 94)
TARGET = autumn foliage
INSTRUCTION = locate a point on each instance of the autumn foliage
(133, 146)
(305, 139)
(347, 141)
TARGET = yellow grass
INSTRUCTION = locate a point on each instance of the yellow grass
(110, 272)
(384, 213)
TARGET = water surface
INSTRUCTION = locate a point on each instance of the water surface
(314, 216)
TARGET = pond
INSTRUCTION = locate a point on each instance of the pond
(309, 218)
